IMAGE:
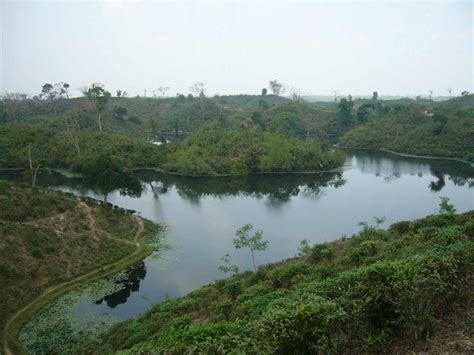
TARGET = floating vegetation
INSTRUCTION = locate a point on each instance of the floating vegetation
(59, 328)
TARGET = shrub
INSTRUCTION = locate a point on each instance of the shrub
(321, 252)
(282, 276)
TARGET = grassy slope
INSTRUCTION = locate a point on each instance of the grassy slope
(378, 291)
(413, 131)
(48, 238)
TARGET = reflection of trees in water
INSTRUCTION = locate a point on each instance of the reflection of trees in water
(392, 167)
(130, 284)
(437, 185)
(278, 188)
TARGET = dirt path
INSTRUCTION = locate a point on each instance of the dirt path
(136, 242)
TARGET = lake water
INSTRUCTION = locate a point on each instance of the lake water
(203, 214)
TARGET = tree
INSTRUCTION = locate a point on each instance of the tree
(32, 143)
(254, 243)
(47, 91)
(465, 93)
(226, 266)
(375, 96)
(285, 123)
(450, 91)
(119, 93)
(445, 207)
(345, 108)
(100, 97)
(277, 87)
(73, 127)
(63, 89)
(120, 113)
(106, 174)
(363, 112)
(163, 90)
(264, 91)
(295, 94)
(431, 94)
(199, 89)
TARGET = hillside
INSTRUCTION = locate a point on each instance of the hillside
(381, 290)
(49, 237)
(244, 151)
(442, 131)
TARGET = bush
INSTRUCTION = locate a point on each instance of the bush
(321, 252)
(283, 276)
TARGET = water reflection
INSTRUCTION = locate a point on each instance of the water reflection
(129, 284)
(203, 214)
(278, 188)
(392, 167)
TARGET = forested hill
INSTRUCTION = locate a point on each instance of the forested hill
(444, 130)
(393, 291)
(67, 133)
(49, 237)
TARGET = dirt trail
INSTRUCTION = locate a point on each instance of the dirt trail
(92, 223)
(94, 229)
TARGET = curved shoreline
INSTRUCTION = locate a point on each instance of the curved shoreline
(12, 344)
(406, 155)
(308, 172)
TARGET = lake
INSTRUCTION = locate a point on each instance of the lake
(204, 213)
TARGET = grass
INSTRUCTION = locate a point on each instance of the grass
(379, 290)
(52, 242)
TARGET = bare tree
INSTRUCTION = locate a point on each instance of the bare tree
(295, 94)
(163, 90)
(431, 94)
(199, 88)
(450, 91)
(336, 94)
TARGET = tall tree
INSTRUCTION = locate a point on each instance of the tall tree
(254, 243)
(264, 91)
(31, 143)
(100, 97)
(345, 109)
(107, 173)
(74, 123)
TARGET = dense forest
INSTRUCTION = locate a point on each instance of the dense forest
(380, 290)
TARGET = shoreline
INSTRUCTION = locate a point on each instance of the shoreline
(308, 172)
(406, 155)
(11, 342)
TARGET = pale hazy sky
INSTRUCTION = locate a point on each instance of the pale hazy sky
(395, 47)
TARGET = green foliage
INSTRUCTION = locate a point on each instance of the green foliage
(445, 131)
(239, 152)
(254, 243)
(304, 248)
(226, 265)
(321, 252)
(47, 239)
(445, 207)
(106, 173)
(397, 289)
